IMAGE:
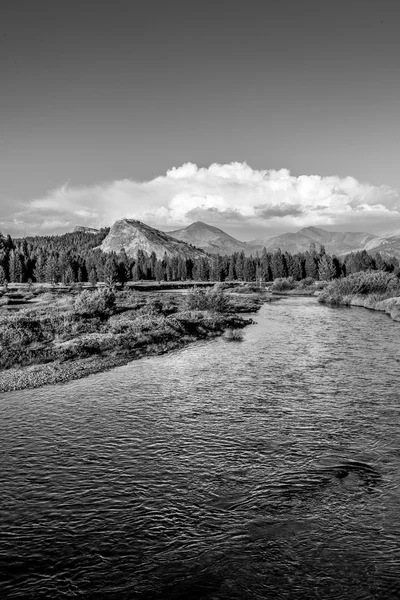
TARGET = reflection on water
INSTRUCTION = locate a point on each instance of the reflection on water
(264, 469)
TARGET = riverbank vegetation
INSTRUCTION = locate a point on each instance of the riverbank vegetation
(374, 290)
(47, 343)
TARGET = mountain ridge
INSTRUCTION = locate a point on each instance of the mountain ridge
(335, 242)
(199, 238)
(209, 238)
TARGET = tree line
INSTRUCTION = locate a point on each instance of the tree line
(75, 257)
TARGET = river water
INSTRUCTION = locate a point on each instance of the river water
(268, 468)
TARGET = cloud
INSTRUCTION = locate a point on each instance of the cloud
(233, 195)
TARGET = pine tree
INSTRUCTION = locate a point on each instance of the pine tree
(326, 268)
(278, 265)
(239, 265)
(231, 271)
(51, 269)
(159, 271)
(93, 276)
(311, 264)
(249, 269)
(15, 267)
(110, 271)
(40, 268)
(68, 275)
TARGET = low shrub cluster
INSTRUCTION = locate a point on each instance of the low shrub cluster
(213, 299)
(378, 285)
(233, 335)
(100, 303)
(283, 284)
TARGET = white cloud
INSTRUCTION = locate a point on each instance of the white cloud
(232, 195)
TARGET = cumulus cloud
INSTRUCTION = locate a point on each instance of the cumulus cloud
(232, 195)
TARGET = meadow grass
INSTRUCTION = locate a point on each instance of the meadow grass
(104, 323)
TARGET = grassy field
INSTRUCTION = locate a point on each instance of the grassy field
(63, 336)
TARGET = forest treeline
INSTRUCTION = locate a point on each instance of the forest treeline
(75, 257)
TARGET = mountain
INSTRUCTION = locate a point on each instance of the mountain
(385, 245)
(81, 228)
(335, 242)
(134, 235)
(209, 238)
(198, 238)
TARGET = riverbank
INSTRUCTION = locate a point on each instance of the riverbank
(35, 376)
(73, 337)
(374, 290)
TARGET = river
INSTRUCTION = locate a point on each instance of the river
(267, 468)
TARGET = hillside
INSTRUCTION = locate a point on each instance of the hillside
(134, 235)
(209, 238)
(386, 246)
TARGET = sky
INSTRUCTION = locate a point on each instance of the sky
(258, 117)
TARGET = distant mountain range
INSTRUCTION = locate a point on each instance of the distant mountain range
(335, 242)
(199, 238)
(209, 238)
(132, 236)
(215, 241)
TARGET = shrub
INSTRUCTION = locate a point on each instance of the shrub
(100, 303)
(384, 285)
(233, 335)
(215, 300)
(306, 282)
(283, 284)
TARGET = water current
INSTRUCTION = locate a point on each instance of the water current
(267, 468)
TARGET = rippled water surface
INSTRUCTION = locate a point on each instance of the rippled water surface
(262, 469)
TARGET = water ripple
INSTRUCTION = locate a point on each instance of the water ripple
(268, 468)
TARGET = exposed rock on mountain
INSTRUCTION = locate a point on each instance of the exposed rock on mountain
(80, 228)
(209, 238)
(134, 235)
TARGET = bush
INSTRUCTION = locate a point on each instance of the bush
(306, 282)
(215, 300)
(339, 291)
(283, 284)
(233, 335)
(100, 303)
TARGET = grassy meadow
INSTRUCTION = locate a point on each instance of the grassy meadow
(61, 336)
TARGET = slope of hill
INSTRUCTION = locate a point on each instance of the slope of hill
(335, 242)
(386, 246)
(134, 235)
(209, 238)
